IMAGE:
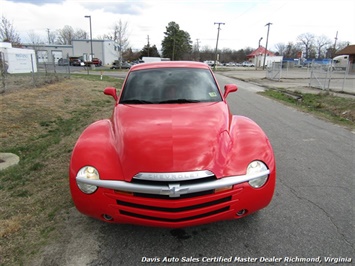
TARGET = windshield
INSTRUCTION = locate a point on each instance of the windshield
(170, 85)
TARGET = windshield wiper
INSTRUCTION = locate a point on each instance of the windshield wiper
(180, 101)
(135, 101)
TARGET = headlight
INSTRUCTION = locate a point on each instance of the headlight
(88, 172)
(254, 168)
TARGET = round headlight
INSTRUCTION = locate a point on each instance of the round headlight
(88, 172)
(256, 167)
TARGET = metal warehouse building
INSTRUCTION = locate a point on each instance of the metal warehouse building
(106, 50)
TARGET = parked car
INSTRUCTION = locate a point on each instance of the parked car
(248, 64)
(63, 62)
(96, 62)
(137, 62)
(76, 61)
(124, 65)
(172, 154)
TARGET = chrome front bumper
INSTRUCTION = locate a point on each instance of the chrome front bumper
(173, 189)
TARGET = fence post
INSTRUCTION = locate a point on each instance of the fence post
(3, 71)
(33, 72)
(347, 70)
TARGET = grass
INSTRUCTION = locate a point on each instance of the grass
(41, 126)
(339, 110)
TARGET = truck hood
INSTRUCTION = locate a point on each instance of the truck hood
(172, 137)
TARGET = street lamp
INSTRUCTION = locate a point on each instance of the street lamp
(92, 53)
(260, 41)
(257, 58)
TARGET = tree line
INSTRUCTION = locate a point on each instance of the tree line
(176, 44)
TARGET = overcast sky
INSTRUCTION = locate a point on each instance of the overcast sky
(244, 20)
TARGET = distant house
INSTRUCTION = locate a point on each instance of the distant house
(257, 57)
(349, 50)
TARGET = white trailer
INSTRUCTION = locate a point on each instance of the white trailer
(340, 62)
(154, 59)
(18, 60)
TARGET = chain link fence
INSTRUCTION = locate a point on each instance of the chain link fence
(326, 76)
(46, 73)
(322, 76)
(274, 71)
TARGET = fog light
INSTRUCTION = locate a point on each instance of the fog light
(242, 212)
(107, 217)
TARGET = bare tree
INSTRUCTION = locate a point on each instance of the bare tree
(306, 40)
(321, 43)
(67, 34)
(8, 32)
(80, 34)
(281, 48)
(34, 38)
(342, 45)
(119, 35)
(293, 50)
(52, 36)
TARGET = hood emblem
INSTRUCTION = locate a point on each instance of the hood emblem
(174, 190)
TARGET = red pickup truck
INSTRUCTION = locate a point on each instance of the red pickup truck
(95, 61)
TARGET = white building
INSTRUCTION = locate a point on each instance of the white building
(106, 50)
(261, 56)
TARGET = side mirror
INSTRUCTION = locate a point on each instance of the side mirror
(111, 91)
(228, 89)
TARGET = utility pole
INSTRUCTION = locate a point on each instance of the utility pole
(49, 40)
(335, 44)
(148, 44)
(219, 28)
(197, 49)
(267, 40)
(198, 44)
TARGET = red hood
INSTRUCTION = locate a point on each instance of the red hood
(172, 138)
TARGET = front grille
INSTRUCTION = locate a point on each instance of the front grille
(167, 183)
(181, 209)
(174, 220)
(186, 210)
(185, 182)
